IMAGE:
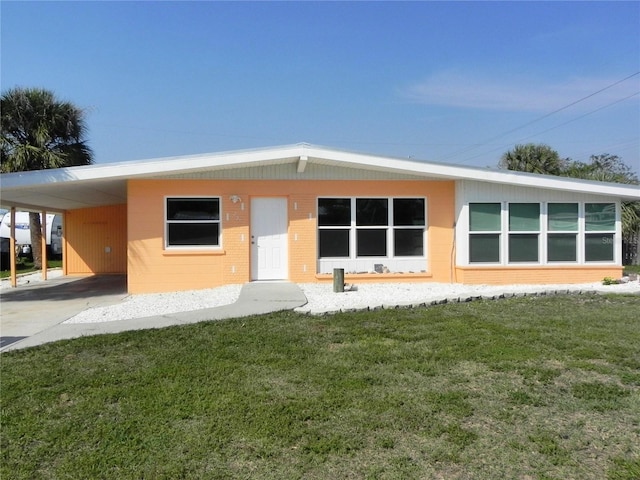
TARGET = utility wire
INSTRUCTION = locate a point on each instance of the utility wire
(556, 126)
(478, 145)
(619, 148)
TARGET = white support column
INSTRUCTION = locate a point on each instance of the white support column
(64, 243)
(12, 248)
(43, 243)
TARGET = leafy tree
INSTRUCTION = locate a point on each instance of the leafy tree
(604, 168)
(533, 158)
(610, 168)
(39, 131)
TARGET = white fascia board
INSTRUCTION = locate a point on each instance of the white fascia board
(457, 172)
(620, 190)
(293, 154)
(146, 168)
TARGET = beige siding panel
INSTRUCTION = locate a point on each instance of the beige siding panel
(289, 172)
(96, 240)
(470, 191)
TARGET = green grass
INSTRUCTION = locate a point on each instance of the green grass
(26, 266)
(528, 388)
(631, 269)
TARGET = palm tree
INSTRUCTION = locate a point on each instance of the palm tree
(39, 131)
(533, 158)
(610, 168)
(604, 168)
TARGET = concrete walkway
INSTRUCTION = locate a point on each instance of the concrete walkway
(33, 315)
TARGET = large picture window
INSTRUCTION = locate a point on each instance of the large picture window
(192, 222)
(568, 231)
(360, 228)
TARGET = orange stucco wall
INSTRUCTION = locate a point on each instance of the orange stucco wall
(535, 275)
(152, 268)
(96, 240)
(130, 238)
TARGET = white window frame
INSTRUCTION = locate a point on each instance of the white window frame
(362, 264)
(168, 222)
(543, 234)
(616, 236)
(537, 233)
(502, 246)
(547, 233)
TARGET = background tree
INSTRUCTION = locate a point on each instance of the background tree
(39, 131)
(604, 168)
(533, 158)
(610, 168)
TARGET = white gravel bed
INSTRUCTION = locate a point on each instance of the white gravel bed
(152, 304)
(322, 299)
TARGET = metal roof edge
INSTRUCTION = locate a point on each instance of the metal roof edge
(230, 159)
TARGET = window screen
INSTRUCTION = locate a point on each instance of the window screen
(484, 248)
(524, 217)
(562, 247)
(600, 217)
(562, 217)
(598, 247)
(484, 217)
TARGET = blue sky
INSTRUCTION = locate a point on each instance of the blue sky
(454, 82)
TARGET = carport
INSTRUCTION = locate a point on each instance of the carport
(59, 191)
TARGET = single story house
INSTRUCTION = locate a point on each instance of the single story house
(298, 212)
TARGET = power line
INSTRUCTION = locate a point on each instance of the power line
(619, 148)
(478, 145)
(556, 126)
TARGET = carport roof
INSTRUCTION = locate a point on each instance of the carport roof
(106, 184)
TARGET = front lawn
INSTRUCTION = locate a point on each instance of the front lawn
(26, 266)
(524, 388)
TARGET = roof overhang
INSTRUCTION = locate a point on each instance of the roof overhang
(106, 184)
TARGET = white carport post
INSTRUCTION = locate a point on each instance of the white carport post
(12, 248)
(64, 243)
(43, 243)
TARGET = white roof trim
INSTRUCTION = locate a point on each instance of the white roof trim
(21, 189)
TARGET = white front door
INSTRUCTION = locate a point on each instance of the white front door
(269, 239)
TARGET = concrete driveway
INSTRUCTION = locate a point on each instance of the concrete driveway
(33, 308)
(34, 314)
